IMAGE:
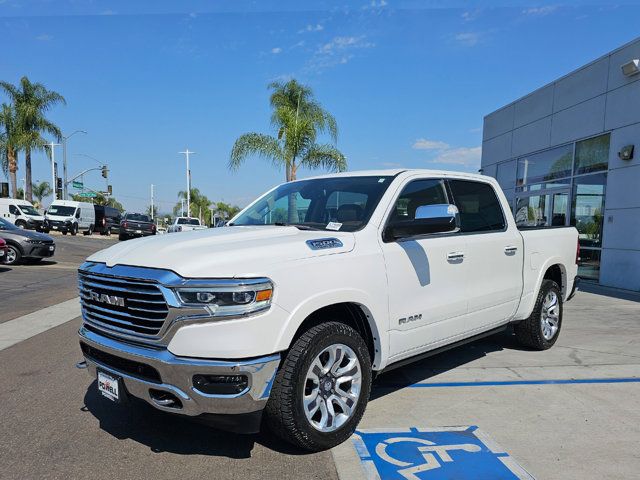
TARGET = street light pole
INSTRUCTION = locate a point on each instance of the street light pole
(53, 169)
(152, 201)
(64, 162)
(186, 153)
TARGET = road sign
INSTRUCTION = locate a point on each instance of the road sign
(87, 195)
(78, 185)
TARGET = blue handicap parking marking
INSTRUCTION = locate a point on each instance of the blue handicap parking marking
(444, 453)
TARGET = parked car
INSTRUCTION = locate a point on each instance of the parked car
(3, 250)
(107, 219)
(25, 245)
(185, 224)
(21, 213)
(136, 225)
(69, 216)
(291, 314)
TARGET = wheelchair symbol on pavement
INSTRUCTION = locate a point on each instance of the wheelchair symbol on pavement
(433, 453)
(429, 450)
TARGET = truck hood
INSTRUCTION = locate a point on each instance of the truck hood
(239, 251)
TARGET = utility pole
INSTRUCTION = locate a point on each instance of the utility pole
(182, 207)
(186, 153)
(64, 162)
(152, 201)
(54, 183)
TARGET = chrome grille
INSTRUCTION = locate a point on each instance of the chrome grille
(144, 311)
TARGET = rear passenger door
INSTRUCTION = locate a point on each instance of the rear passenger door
(494, 254)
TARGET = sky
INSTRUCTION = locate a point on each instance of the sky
(409, 82)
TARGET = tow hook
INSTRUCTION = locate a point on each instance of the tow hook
(81, 365)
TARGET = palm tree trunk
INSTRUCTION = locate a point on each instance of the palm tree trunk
(27, 174)
(13, 168)
(293, 205)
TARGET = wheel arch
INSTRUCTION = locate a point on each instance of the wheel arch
(349, 310)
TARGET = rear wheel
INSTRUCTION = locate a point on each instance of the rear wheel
(13, 255)
(321, 389)
(122, 236)
(541, 330)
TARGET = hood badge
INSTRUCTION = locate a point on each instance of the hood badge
(324, 243)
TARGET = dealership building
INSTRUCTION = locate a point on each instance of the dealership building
(569, 154)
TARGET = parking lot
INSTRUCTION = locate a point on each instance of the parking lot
(570, 412)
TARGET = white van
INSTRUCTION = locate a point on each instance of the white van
(68, 216)
(21, 213)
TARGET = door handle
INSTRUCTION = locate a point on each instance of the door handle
(455, 256)
(510, 249)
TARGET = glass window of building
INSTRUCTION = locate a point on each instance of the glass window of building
(592, 155)
(544, 167)
(505, 174)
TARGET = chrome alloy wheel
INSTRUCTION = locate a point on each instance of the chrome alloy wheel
(11, 256)
(550, 315)
(332, 388)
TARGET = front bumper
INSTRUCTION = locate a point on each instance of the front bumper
(39, 250)
(176, 376)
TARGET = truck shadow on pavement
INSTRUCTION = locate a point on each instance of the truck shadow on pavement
(165, 432)
(430, 367)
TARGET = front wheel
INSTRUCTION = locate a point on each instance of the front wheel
(74, 229)
(13, 255)
(21, 224)
(322, 388)
(541, 330)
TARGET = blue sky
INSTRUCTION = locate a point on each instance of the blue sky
(408, 81)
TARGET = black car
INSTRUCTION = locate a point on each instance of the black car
(25, 245)
(107, 220)
(136, 225)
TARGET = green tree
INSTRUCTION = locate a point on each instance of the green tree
(41, 190)
(298, 119)
(199, 204)
(31, 102)
(155, 211)
(225, 210)
(9, 145)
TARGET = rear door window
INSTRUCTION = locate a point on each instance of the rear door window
(479, 207)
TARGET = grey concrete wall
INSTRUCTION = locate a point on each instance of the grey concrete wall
(592, 100)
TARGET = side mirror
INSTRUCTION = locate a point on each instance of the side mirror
(429, 219)
(78, 214)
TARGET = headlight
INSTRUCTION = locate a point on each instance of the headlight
(228, 300)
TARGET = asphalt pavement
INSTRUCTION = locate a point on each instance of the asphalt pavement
(567, 413)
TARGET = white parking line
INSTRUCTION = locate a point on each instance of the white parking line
(27, 326)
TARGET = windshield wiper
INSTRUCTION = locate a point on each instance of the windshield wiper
(297, 225)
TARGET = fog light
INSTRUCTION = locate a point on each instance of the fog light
(220, 384)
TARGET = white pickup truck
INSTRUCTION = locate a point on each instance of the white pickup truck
(185, 224)
(313, 289)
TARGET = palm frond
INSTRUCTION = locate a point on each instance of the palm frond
(264, 146)
(324, 156)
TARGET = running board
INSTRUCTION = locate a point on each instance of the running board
(444, 348)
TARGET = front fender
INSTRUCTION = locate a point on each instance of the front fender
(374, 310)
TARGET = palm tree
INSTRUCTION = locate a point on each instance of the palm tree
(199, 203)
(9, 145)
(41, 190)
(31, 101)
(298, 119)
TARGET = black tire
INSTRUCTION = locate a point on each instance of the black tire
(13, 255)
(88, 232)
(45, 230)
(21, 224)
(284, 413)
(64, 232)
(122, 237)
(530, 332)
(108, 232)
(74, 229)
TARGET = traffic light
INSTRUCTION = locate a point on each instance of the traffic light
(105, 171)
(110, 189)
(59, 187)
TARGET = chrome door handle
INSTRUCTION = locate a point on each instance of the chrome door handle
(455, 256)
(510, 249)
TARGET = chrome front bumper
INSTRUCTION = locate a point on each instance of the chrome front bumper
(176, 374)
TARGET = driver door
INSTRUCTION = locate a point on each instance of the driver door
(426, 277)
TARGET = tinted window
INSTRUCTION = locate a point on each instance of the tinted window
(188, 221)
(418, 193)
(479, 207)
(137, 217)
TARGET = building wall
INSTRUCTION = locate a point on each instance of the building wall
(594, 99)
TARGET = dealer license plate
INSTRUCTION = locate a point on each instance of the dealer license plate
(138, 231)
(108, 386)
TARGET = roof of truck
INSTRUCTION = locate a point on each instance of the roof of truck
(395, 171)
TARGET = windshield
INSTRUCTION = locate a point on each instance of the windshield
(188, 221)
(334, 203)
(61, 210)
(28, 210)
(137, 217)
(4, 225)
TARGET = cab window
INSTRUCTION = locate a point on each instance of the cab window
(13, 210)
(416, 194)
(479, 207)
